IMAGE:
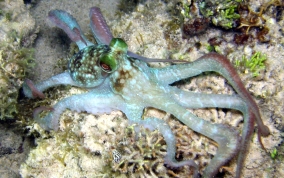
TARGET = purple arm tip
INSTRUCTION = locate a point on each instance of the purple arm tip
(68, 23)
(59, 17)
(99, 26)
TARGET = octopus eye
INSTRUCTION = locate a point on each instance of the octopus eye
(108, 63)
(105, 67)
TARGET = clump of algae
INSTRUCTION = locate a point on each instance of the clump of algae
(17, 32)
(255, 64)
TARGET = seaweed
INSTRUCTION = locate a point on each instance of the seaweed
(253, 65)
(223, 13)
(15, 63)
(274, 153)
(16, 60)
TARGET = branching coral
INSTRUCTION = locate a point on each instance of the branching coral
(140, 158)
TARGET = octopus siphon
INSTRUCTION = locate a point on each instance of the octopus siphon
(118, 79)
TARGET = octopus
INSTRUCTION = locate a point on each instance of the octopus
(118, 79)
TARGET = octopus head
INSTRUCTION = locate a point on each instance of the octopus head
(93, 64)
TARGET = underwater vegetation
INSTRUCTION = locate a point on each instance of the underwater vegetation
(222, 13)
(247, 24)
(15, 63)
(253, 65)
(228, 14)
(16, 55)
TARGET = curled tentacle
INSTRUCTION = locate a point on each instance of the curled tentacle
(95, 102)
(201, 100)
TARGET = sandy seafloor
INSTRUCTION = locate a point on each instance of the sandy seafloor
(144, 31)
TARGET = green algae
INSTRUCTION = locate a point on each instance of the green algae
(223, 12)
(253, 65)
(16, 61)
(274, 153)
(16, 57)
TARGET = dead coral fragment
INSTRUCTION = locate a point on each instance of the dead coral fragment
(198, 26)
(250, 18)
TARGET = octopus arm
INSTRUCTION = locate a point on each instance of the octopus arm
(67, 22)
(201, 100)
(217, 63)
(195, 100)
(99, 26)
(227, 138)
(32, 90)
(221, 65)
(134, 116)
(95, 102)
(145, 59)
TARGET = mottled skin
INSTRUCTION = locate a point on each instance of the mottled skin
(118, 79)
